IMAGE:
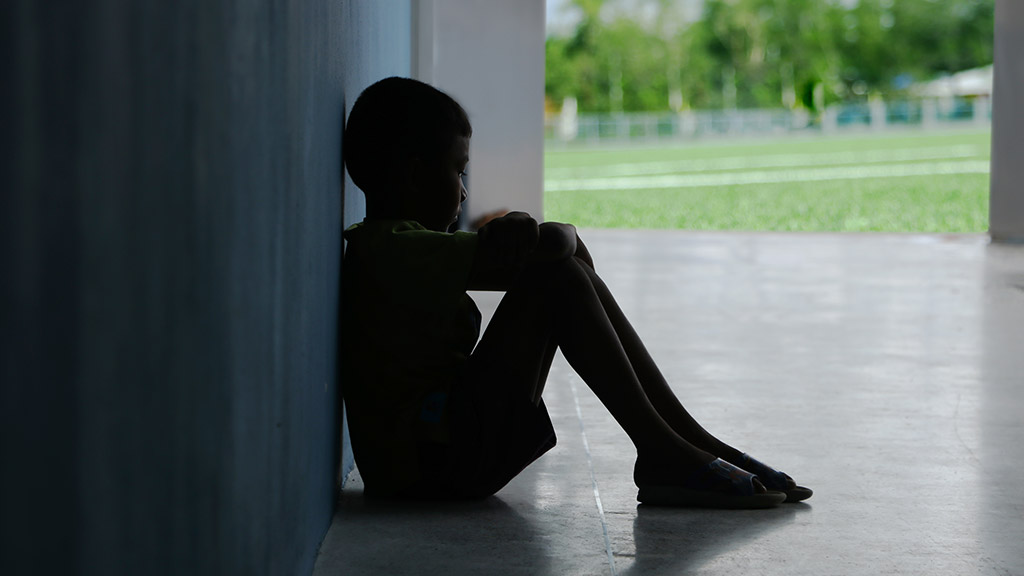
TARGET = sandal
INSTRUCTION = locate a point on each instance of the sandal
(717, 485)
(775, 480)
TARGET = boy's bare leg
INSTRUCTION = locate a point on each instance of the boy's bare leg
(669, 406)
(654, 384)
(559, 304)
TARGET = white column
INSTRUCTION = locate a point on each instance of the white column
(422, 44)
(489, 55)
(1006, 206)
(878, 113)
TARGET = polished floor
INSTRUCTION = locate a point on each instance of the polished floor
(884, 371)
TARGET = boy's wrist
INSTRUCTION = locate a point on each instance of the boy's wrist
(557, 242)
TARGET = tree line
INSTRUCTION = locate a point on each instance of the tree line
(649, 55)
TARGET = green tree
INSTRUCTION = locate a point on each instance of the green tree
(887, 43)
(761, 53)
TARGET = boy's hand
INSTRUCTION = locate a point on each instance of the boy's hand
(507, 244)
(509, 240)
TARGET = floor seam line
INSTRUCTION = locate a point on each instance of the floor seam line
(593, 477)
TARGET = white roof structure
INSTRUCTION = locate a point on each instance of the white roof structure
(973, 82)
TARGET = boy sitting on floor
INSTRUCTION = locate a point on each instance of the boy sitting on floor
(433, 413)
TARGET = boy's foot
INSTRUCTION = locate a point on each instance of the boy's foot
(717, 484)
(775, 480)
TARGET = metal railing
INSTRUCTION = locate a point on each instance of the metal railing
(875, 115)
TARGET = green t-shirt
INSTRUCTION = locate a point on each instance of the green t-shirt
(408, 328)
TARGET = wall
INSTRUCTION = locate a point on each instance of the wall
(377, 37)
(490, 57)
(171, 229)
(1006, 208)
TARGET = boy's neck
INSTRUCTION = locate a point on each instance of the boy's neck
(377, 211)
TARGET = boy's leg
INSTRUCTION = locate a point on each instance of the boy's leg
(672, 410)
(654, 384)
(559, 305)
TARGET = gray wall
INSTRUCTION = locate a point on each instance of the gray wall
(377, 37)
(1006, 206)
(459, 46)
(171, 224)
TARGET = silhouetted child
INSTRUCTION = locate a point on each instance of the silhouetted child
(433, 413)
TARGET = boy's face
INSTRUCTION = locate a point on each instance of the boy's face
(439, 202)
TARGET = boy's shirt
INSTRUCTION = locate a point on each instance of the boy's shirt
(408, 328)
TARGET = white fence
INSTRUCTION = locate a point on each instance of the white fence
(569, 127)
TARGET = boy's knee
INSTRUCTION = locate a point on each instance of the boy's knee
(568, 275)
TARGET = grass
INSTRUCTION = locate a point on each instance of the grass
(919, 182)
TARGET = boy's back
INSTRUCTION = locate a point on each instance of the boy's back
(410, 326)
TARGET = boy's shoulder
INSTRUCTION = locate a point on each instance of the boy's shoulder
(369, 231)
(409, 243)
(370, 227)
(399, 261)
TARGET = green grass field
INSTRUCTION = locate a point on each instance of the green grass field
(905, 182)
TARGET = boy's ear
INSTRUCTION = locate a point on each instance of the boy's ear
(404, 173)
(415, 171)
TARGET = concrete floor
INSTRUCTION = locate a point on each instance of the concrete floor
(884, 371)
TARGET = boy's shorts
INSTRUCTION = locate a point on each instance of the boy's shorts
(496, 432)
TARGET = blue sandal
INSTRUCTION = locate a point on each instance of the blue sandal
(775, 480)
(717, 485)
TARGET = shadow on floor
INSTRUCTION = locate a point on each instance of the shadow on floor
(493, 536)
(679, 541)
(397, 537)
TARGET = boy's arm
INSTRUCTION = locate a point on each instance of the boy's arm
(507, 244)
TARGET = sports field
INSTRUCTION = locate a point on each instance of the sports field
(904, 182)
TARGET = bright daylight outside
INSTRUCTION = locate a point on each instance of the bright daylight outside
(769, 115)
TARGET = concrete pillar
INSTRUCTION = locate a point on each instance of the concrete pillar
(830, 119)
(980, 110)
(1006, 206)
(878, 113)
(929, 113)
(568, 121)
(490, 57)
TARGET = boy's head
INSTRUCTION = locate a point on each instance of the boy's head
(404, 142)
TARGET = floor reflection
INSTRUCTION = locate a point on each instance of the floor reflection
(372, 536)
(676, 541)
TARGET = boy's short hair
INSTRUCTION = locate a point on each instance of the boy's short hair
(395, 120)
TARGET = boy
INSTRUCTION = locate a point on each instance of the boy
(435, 414)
